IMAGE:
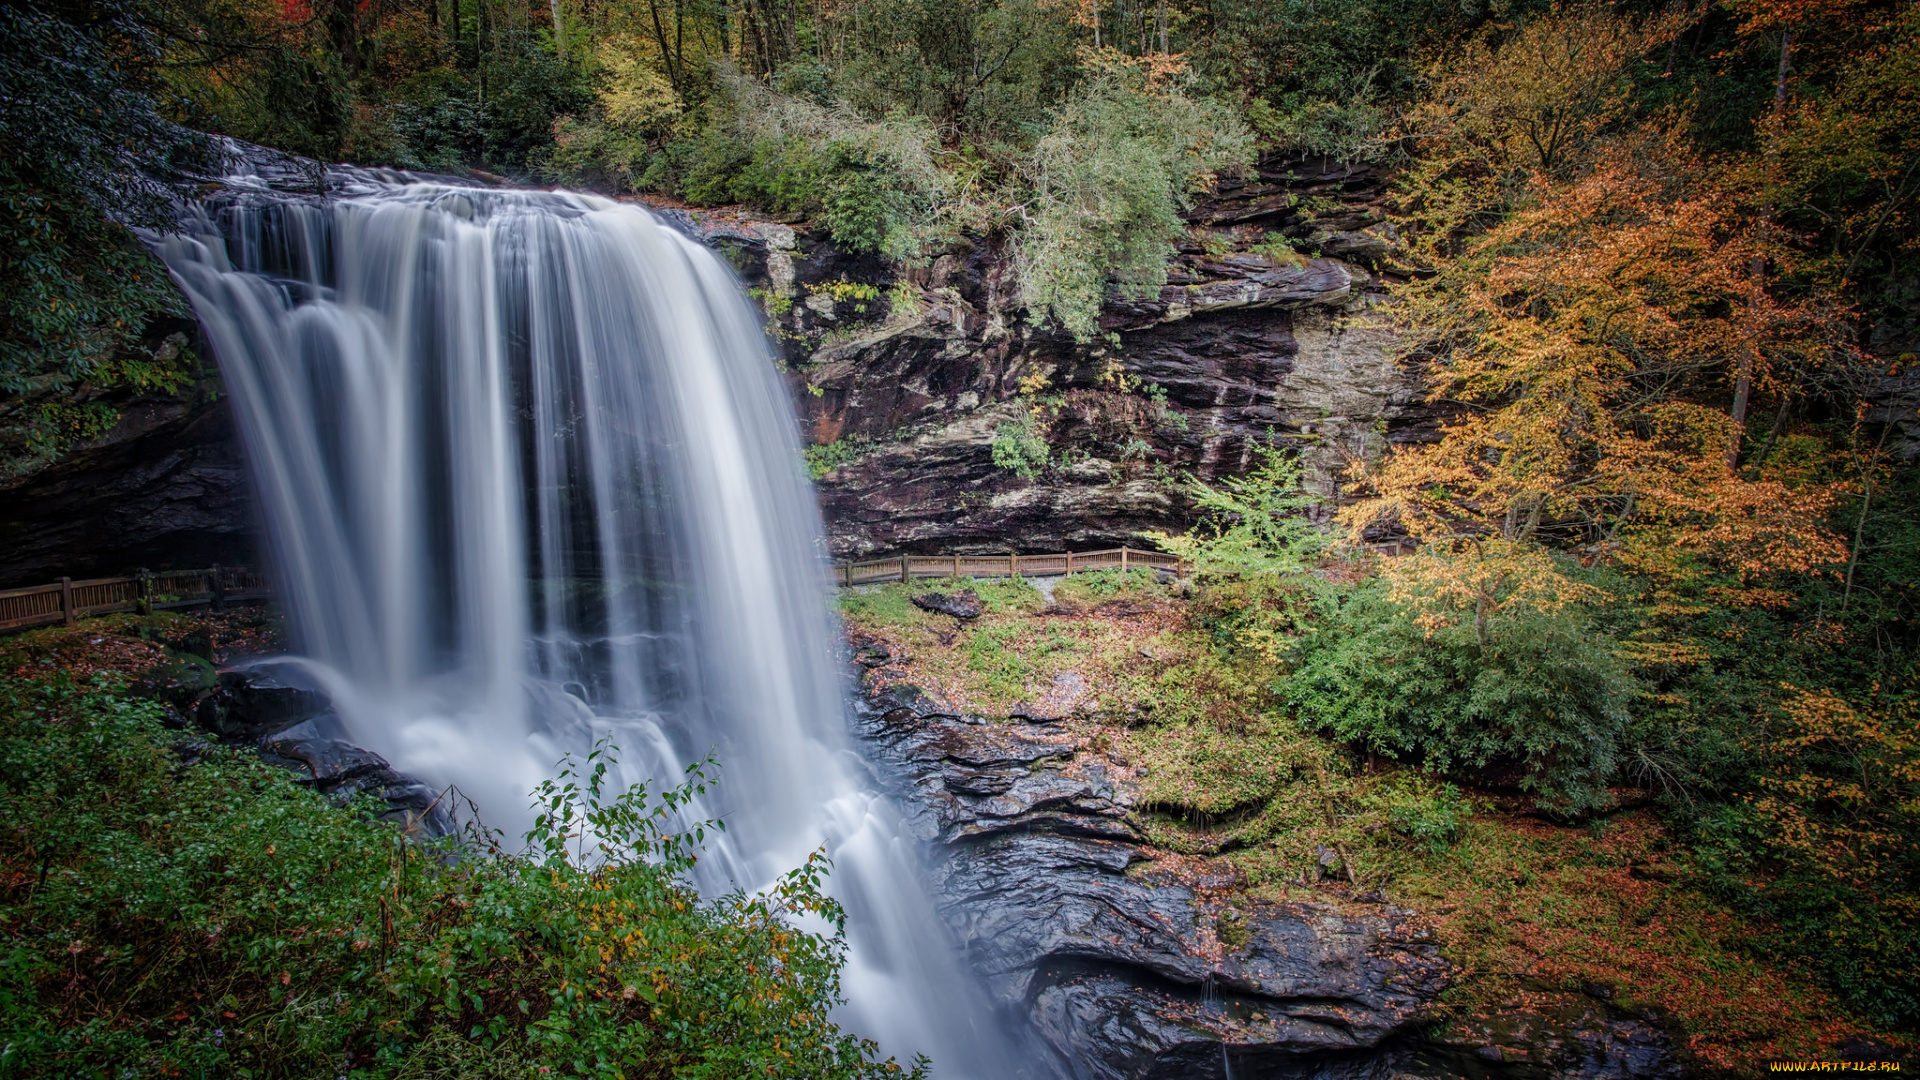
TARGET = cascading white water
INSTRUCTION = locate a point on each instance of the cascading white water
(530, 478)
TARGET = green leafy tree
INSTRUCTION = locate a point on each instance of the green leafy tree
(231, 922)
(1109, 179)
(84, 152)
(1251, 524)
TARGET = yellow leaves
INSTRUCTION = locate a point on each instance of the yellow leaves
(1665, 653)
(1584, 342)
(634, 95)
(1845, 789)
(1515, 103)
(1484, 578)
(1155, 71)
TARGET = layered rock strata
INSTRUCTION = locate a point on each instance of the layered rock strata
(1131, 963)
(1271, 330)
(1126, 964)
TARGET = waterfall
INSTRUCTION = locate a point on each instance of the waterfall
(530, 479)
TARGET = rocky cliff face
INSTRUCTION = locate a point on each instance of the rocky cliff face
(1271, 329)
(1127, 965)
(167, 488)
(905, 383)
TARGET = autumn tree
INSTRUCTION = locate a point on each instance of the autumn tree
(1585, 336)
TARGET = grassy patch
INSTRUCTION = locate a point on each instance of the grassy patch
(1092, 588)
(1199, 772)
(1135, 664)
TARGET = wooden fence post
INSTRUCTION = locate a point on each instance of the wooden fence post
(903, 568)
(219, 590)
(1013, 565)
(956, 566)
(1069, 562)
(143, 591)
(66, 600)
(1123, 557)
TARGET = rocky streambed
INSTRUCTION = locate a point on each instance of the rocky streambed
(1131, 962)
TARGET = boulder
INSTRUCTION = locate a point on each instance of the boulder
(294, 727)
(964, 604)
(249, 705)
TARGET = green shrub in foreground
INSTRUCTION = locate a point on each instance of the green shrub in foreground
(161, 915)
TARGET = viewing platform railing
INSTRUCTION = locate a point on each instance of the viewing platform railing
(67, 600)
(909, 567)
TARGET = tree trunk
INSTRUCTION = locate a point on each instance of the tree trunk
(483, 41)
(1743, 376)
(1860, 526)
(660, 38)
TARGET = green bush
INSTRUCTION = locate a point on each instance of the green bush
(823, 459)
(1251, 524)
(1109, 180)
(1431, 816)
(437, 123)
(171, 908)
(1263, 616)
(872, 183)
(1861, 939)
(1020, 446)
(1544, 690)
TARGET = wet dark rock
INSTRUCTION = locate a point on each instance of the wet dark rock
(248, 706)
(318, 749)
(1128, 971)
(1118, 968)
(1247, 345)
(1562, 1037)
(964, 604)
(166, 488)
(294, 727)
(179, 684)
(329, 762)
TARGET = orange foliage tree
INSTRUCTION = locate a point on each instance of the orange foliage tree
(1585, 342)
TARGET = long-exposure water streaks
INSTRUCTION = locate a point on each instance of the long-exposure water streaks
(530, 478)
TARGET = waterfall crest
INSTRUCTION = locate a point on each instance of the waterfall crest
(530, 479)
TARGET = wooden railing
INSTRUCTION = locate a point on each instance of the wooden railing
(908, 567)
(67, 600)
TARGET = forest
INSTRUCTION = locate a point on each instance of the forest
(1657, 264)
